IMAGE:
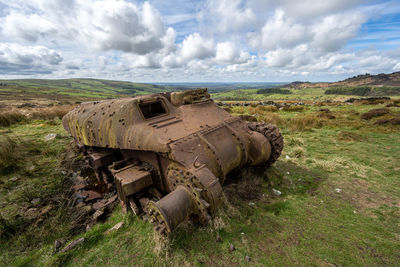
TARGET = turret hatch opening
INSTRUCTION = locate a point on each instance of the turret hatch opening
(152, 109)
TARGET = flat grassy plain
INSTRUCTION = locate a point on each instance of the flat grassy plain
(339, 203)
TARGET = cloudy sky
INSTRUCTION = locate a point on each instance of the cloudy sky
(195, 41)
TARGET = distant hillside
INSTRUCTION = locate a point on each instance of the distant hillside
(73, 88)
(379, 80)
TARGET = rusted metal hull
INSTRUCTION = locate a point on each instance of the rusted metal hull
(179, 144)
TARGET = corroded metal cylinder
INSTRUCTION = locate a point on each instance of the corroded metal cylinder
(174, 208)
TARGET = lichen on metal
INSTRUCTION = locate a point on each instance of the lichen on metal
(184, 143)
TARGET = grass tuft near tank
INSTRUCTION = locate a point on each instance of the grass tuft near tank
(168, 154)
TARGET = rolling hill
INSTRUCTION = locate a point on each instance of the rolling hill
(73, 89)
(392, 79)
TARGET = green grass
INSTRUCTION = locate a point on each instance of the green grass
(309, 224)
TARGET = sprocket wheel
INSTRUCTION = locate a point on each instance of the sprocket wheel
(274, 137)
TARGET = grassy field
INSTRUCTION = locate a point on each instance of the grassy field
(339, 202)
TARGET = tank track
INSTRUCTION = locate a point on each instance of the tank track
(274, 137)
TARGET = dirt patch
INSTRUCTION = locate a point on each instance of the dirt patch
(245, 185)
(375, 113)
(357, 193)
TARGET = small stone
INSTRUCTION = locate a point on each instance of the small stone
(218, 238)
(248, 258)
(57, 245)
(46, 210)
(287, 157)
(78, 187)
(14, 179)
(276, 192)
(51, 136)
(98, 214)
(73, 244)
(87, 208)
(231, 247)
(338, 190)
(252, 204)
(115, 228)
(79, 205)
(35, 201)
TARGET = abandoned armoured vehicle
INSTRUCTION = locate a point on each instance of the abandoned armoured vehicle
(169, 153)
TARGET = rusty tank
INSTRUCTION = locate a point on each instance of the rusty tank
(168, 154)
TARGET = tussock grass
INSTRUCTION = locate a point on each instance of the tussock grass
(293, 108)
(13, 116)
(9, 117)
(304, 122)
(49, 112)
(272, 118)
(266, 108)
(9, 156)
